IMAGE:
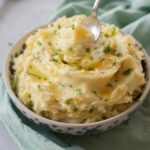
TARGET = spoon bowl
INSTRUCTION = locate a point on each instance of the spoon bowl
(92, 23)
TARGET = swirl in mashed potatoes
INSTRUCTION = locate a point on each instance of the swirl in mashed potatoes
(64, 75)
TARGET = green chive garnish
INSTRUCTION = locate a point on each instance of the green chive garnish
(127, 72)
(91, 110)
(59, 26)
(73, 27)
(70, 49)
(109, 85)
(87, 49)
(107, 49)
(68, 101)
(39, 43)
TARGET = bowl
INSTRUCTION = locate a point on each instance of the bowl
(68, 128)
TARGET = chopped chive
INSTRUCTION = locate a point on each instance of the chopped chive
(16, 55)
(127, 72)
(34, 75)
(129, 44)
(114, 63)
(129, 94)
(75, 109)
(30, 105)
(91, 58)
(106, 35)
(30, 66)
(140, 48)
(24, 46)
(91, 110)
(54, 57)
(70, 85)
(59, 26)
(49, 43)
(136, 94)
(90, 69)
(49, 81)
(44, 78)
(73, 27)
(113, 51)
(29, 95)
(100, 98)
(104, 118)
(109, 85)
(64, 62)
(70, 49)
(68, 101)
(79, 67)
(58, 50)
(107, 49)
(38, 43)
(78, 91)
(39, 86)
(113, 31)
(36, 56)
(104, 99)
(102, 59)
(83, 121)
(61, 84)
(55, 32)
(95, 92)
(88, 49)
(118, 54)
(116, 80)
(14, 85)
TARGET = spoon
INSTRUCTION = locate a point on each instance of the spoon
(92, 23)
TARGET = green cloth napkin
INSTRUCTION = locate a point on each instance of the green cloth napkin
(133, 17)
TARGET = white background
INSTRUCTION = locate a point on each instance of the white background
(18, 17)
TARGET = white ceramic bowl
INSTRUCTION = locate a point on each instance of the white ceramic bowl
(75, 129)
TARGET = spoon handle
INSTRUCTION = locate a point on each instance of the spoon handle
(95, 7)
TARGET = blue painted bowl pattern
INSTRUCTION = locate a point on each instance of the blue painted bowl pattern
(79, 130)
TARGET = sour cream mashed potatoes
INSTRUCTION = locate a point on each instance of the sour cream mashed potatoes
(64, 75)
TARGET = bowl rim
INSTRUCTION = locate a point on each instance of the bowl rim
(42, 119)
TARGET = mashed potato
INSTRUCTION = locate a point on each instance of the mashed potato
(64, 75)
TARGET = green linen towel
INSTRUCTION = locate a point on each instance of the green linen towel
(134, 18)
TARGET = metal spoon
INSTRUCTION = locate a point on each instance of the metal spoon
(92, 23)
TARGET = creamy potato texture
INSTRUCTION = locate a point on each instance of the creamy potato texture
(64, 75)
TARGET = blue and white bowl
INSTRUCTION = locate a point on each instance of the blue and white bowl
(68, 128)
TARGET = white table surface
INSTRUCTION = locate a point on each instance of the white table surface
(18, 17)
